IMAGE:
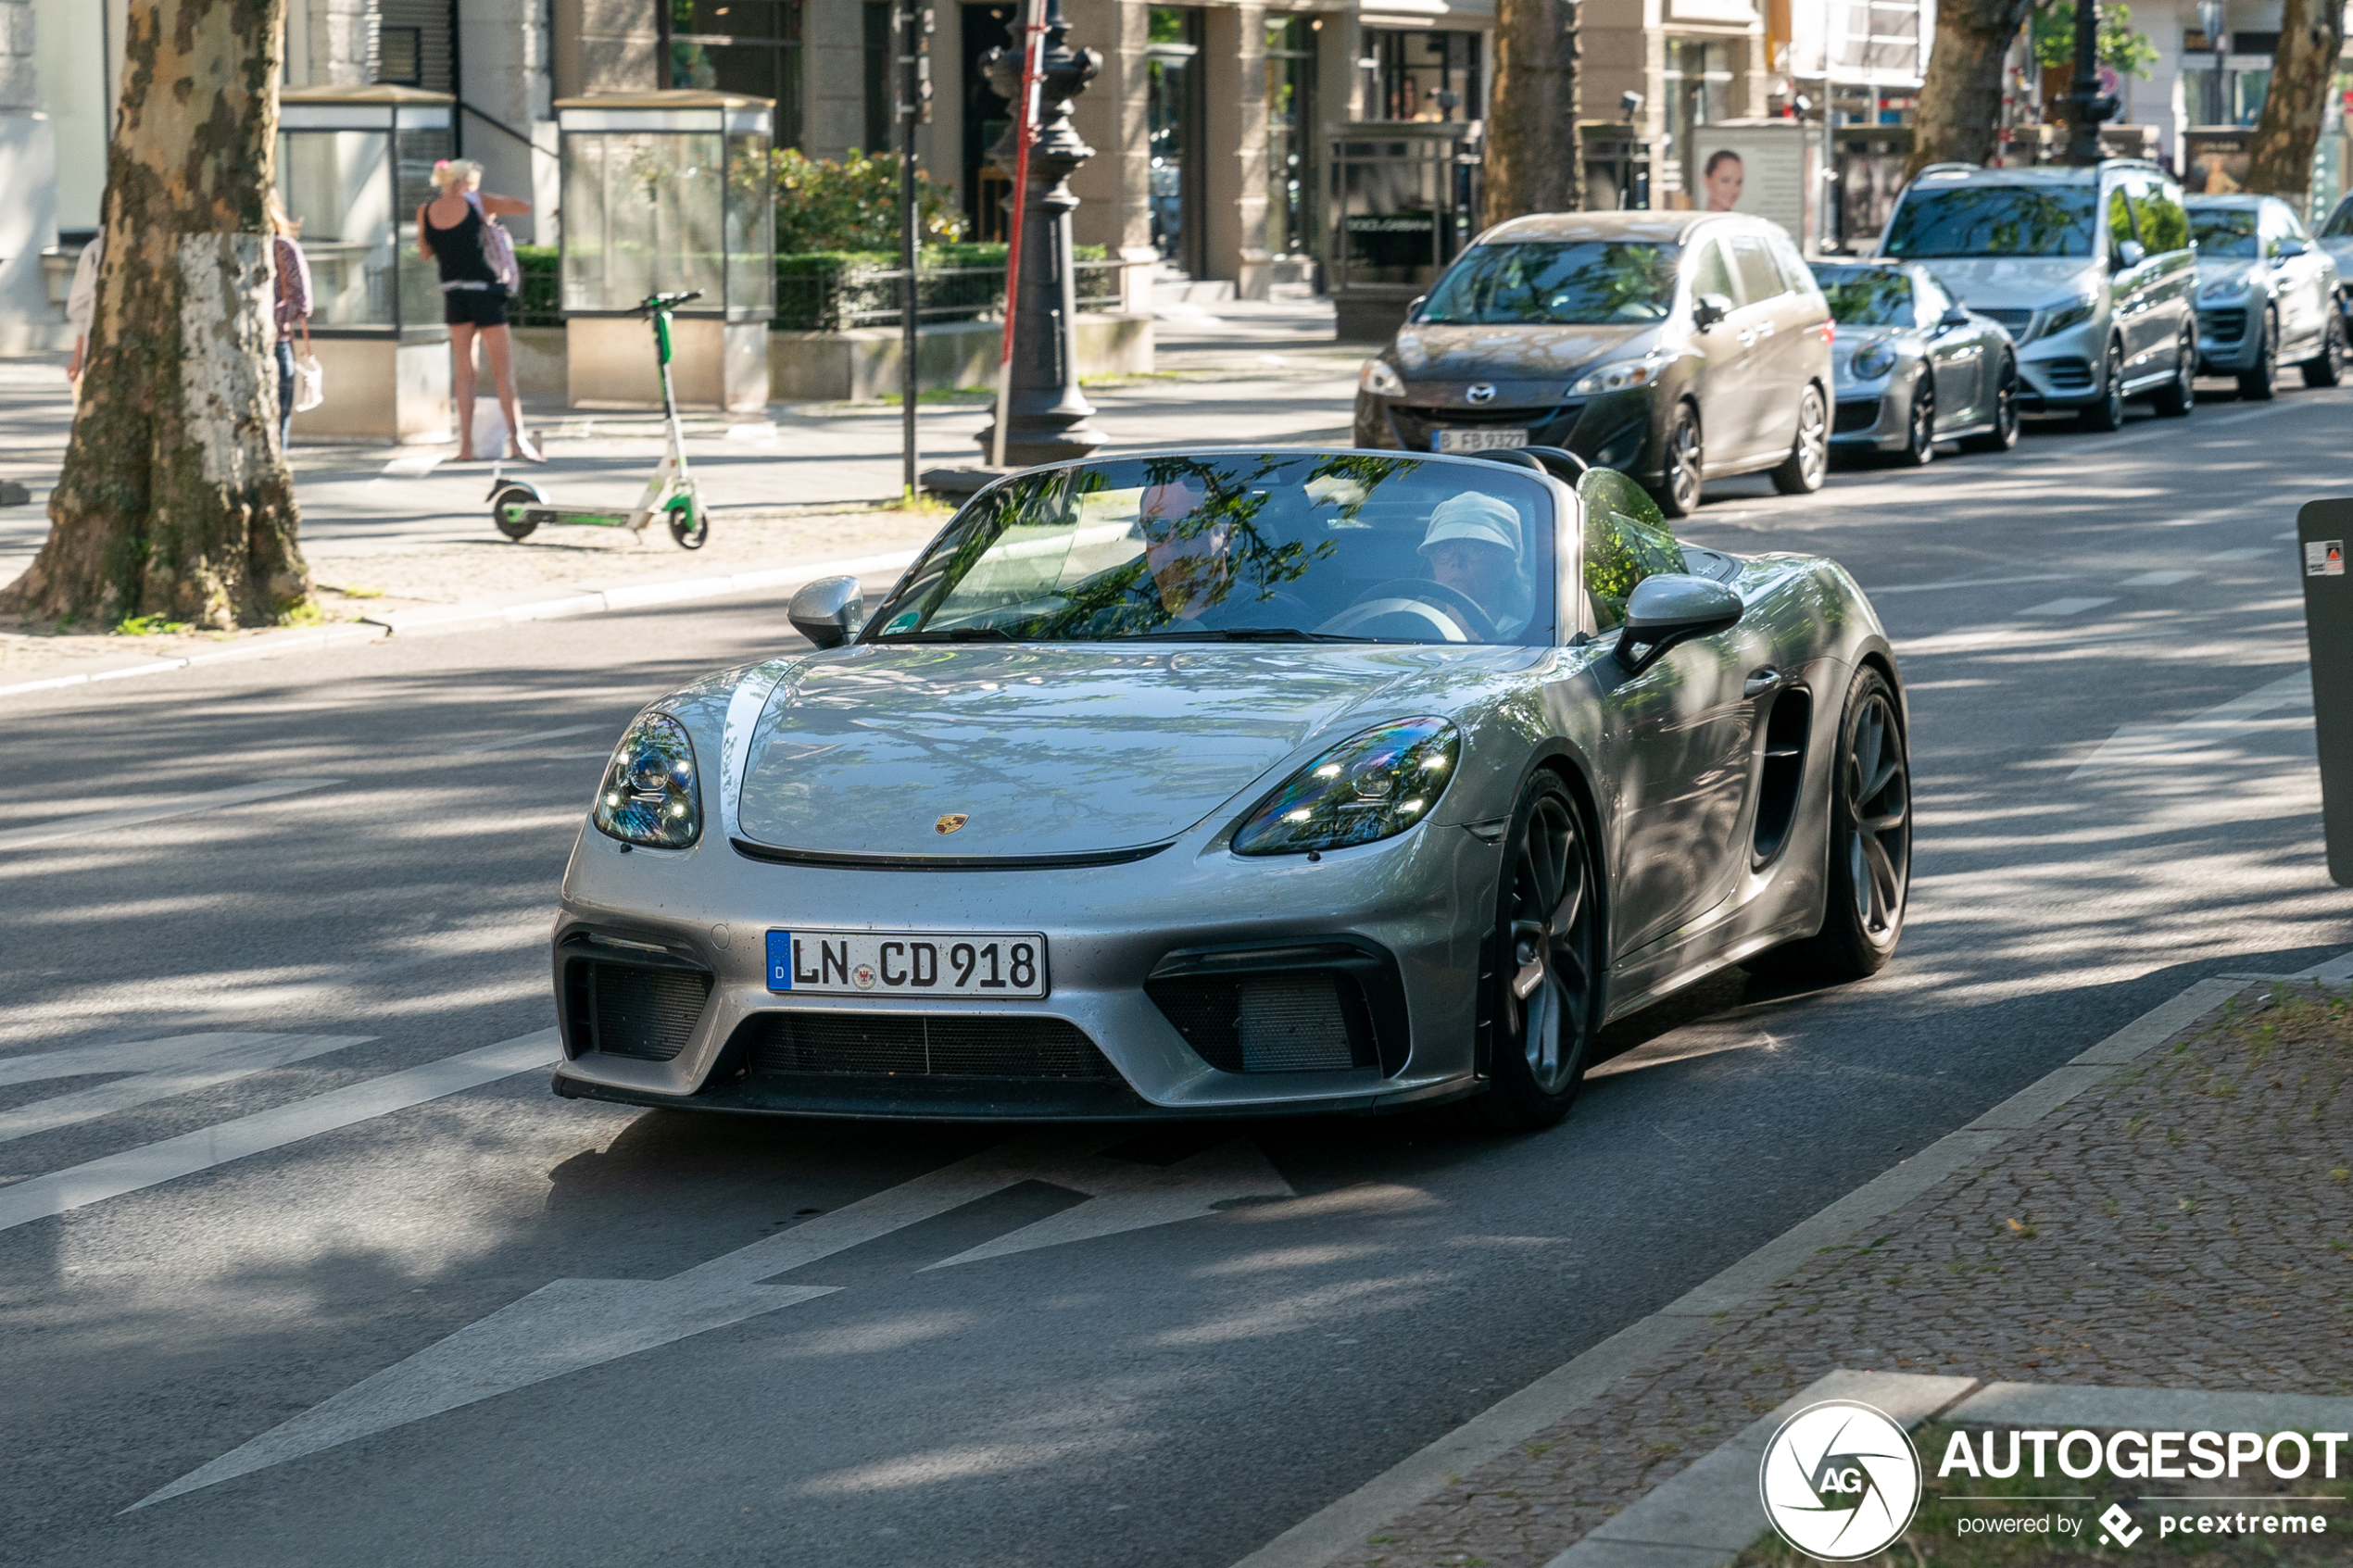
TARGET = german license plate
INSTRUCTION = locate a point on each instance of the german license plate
(903, 963)
(1477, 440)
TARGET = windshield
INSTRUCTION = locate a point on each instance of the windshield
(1589, 283)
(1992, 220)
(1266, 548)
(2340, 223)
(2225, 230)
(1867, 296)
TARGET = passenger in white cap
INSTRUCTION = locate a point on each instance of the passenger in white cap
(1473, 547)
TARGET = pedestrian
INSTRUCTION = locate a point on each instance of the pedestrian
(291, 308)
(81, 308)
(453, 232)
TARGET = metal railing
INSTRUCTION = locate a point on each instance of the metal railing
(828, 302)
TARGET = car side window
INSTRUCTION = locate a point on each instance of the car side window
(1626, 540)
(1711, 276)
(2163, 222)
(1795, 275)
(1760, 279)
(2120, 219)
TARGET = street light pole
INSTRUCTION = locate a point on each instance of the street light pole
(2086, 108)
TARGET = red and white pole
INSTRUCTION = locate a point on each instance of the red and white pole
(1033, 40)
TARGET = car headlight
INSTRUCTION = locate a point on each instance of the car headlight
(2224, 288)
(1620, 375)
(2073, 313)
(1381, 378)
(1370, 787)
(649, 795)
(1872, 359)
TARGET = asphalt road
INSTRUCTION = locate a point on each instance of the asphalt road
(272, 1263)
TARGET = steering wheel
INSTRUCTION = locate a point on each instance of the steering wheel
(1458, 605)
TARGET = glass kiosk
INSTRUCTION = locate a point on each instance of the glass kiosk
(662, 192)
(1404, 201)
(354, 164)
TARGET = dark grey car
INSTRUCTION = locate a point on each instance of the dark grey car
(1677, 347)
(1913, 366)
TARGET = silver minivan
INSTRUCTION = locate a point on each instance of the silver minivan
(2091, 269)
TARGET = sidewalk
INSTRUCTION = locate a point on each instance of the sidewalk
(2188, 1226)
(395, 529)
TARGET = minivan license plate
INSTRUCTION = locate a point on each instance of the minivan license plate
(1477, 440)
(903, 963)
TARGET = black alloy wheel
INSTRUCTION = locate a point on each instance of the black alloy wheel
(1808, 463)
(2327, 368)
(2004, 435)
(1679, 491)
(512, 495)
(2177, 400)
(2255, 382)
(2108, 412)
(1920, 429)
(1868, 877)
(1540, 984)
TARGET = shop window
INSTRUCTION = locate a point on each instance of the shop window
(881, 122)
(1290, 124)
(746, 47)
(1699, 92)
(400, 56)
(1426, 75)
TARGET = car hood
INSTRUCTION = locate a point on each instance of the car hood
(2014, 281)
(1505, 352)
(1056, 750)
(2236, 269)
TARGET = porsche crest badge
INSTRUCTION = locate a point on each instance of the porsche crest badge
(952, 822)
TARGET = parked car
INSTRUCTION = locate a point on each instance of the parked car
(1678, 347)
(2265, 295)
(1237, 780)
(1914, 367)
(2090, 270)
(2336, 238)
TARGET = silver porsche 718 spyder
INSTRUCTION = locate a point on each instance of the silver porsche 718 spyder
(1218, 782)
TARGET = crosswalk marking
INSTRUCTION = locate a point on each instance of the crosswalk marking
(187, 806)
(161, 1069)
(2193, 740)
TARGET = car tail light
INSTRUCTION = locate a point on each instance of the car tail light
(1829, 330)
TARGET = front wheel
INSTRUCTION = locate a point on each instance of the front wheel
(1679, 494)
(688, 524)
(1869, 878)
(2177, 398)
(1541, 983)
(1801, 472)
(2255, 382)
(2004, 435)
(2327, 369)
(1919, 428)
(2108, 412)
(507, 510)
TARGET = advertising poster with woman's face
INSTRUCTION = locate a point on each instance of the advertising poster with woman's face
(1721, 181)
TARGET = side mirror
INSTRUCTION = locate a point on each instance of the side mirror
(2291, 246)
(1954, 316)
(2131, 253)
(1710, 308)
(1669, 609)
(828, 611)
(1413, 306)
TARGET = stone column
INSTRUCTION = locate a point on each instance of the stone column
(833, 76)
(1233, 60)
(1047, 417)
(1115, 184)
(505, 63)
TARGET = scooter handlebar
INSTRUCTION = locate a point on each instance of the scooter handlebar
(664, 301)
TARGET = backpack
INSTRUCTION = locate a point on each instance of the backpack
(497, 246)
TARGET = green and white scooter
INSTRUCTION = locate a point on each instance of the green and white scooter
(518, 508)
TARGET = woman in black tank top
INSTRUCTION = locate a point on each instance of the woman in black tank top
(450, 234)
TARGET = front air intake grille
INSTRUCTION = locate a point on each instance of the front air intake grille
(2222, 326)
(2067, 375)
(1283, 1020)
(643, 1007)
(1855, 414)
(938, 1046)
(2016, 322)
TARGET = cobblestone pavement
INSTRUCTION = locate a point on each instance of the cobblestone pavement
(2190, 1226)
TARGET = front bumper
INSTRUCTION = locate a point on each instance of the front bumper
(1871, 416)
(2063, 369)
(1618, 430)
(1407, 918)
(2228, 338)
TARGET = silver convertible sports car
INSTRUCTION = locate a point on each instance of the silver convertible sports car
(1218, 781)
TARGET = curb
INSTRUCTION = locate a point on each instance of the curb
(479, 617)
(1314, 1541)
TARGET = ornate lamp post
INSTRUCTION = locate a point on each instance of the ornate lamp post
(1046, 418)
(2085, 109)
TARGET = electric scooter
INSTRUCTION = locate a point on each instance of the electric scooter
(518, 508)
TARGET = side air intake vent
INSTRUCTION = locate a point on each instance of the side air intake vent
(643, 1006)
(1777, 789)
(1282, 1021)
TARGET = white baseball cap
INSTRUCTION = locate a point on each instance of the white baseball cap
(1479, 519)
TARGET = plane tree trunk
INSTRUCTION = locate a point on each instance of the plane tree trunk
(1533, 156)
(1960, 109)
(175, 500)
(2303, 71)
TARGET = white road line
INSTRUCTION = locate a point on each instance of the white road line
(1960, 582)
(511, 742)
(153, 1165)
(2192, 741)
(184, 1064)
(188, 805)
(2249, 552)
(2067, 606)
(2164, 579)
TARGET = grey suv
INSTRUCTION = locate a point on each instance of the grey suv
(1676, 347)
(2091, 269)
